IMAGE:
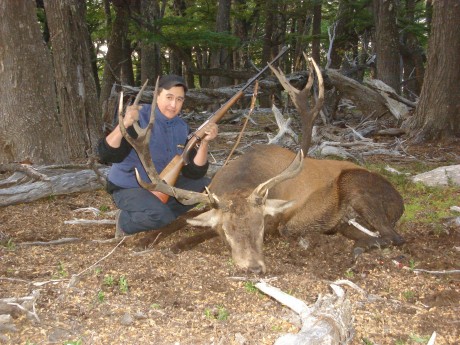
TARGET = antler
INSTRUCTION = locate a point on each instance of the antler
(141, 145)
(299, 98)
(291, 171)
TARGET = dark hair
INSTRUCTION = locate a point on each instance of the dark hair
(171, 80)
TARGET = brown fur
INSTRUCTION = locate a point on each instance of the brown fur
(326, 194)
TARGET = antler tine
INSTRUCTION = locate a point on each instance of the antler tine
(297, 96)
(311, 75)
(136, 126)
(291, 171)
(184, 196)
(320, 101)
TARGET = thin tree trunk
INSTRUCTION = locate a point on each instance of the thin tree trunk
(151, 55)
(316, 33)
(387, 43)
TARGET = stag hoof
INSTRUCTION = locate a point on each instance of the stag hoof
(357, 251)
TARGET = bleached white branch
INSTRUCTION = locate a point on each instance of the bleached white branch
(362, 228)
(76, 221)
(328, 322)
(283, 125)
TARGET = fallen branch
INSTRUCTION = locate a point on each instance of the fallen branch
(89, 221)
(24, 304)
(283, 125)
(329, 321)
(421, 270)
(53, 242)
(65, 183)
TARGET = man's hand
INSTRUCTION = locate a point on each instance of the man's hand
(211, 131)
(131, 115)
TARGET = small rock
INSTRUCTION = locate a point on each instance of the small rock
(126, 319)
(59, 334)
(140, 316)
(240, 339)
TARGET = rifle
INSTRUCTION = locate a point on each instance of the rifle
(171, 172)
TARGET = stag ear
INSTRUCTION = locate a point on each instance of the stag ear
(274, 206)
(210, 218)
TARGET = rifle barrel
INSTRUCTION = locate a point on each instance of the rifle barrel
(253, 79)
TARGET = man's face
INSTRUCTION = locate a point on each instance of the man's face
(170, 101)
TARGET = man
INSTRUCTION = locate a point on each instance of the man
(140, 210)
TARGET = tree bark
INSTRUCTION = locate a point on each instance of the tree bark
(437, 114)
(316, 33)
(387, 43)
(150, 56)
(30, 127)
(114, 56)
(220, 57)
(76, 88)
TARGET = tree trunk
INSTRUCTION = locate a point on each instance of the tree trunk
(387, 43)
(151, 55)
(316, 33)
(220, 57)
(412, 55)
(268, 44)
(76, 88)
(114, 56)
(437, 114)
(341, 36)
(30, 128)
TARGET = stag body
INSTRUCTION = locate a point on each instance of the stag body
(323, 197)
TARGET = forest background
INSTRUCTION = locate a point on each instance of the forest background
(61, 59)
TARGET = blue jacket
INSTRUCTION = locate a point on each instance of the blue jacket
(167, 140)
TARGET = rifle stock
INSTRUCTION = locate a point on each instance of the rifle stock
(172, 170)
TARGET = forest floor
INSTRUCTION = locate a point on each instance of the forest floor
(110, 293)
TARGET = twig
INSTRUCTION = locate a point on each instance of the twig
(53, 242)
(75, 276)
(436, 272)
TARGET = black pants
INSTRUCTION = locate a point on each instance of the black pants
(142, 211)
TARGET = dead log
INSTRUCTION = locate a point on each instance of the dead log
(60, 183)
(366, 99)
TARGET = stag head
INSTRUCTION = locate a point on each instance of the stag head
(240, 220)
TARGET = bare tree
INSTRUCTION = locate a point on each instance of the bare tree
(437, 114)
(76, 88)
(30, 128)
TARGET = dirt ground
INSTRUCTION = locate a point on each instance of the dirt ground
(110, 293)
